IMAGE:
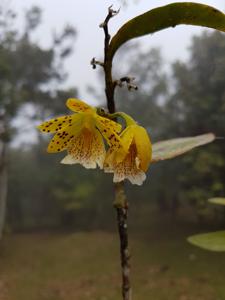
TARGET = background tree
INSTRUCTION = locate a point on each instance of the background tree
(195, 107)
(27, 72)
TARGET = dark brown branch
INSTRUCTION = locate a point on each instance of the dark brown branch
(109, 84)
(120, 204)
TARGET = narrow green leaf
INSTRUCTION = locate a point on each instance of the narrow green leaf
(168, 16)
(213, 241)
(220, 201)
(171, 148)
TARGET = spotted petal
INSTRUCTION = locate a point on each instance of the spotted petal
(62, 138)
(87, 149)
(109, 130)
(110, 124)
(77, 105)
(115, 155)
(54, 125)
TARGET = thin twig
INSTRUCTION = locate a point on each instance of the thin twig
(129, 82)
(95, 62)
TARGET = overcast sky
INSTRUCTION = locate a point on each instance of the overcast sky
(86, 15)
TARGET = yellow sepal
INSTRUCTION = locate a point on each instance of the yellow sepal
(79, 106)
(144, 147)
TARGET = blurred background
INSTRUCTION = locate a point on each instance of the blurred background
(57, 224)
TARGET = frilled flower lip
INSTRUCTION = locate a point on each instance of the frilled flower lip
(87, 149)
(81, 134)
(134, 162)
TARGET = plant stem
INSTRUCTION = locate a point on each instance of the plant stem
(109, 85)
(121, 206)
(120, 203)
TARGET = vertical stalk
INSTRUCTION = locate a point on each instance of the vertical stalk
(120, 203)
(121, 206)
(109, 84)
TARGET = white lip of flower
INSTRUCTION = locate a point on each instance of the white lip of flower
(128, 168)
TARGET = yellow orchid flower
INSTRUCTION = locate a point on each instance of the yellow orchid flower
(132, 163)
(81, 135)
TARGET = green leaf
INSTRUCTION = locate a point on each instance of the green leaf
(220, 201)
(171, 148)
(213, 241)
(168, 16)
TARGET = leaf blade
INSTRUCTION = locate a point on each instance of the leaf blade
(175, 147)
(186, 13)
(217, 200)
(213, 241)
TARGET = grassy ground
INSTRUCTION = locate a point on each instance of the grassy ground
(85, 265)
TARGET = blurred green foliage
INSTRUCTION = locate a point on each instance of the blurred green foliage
(197, 105)
(45, 194)
(29, 74)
